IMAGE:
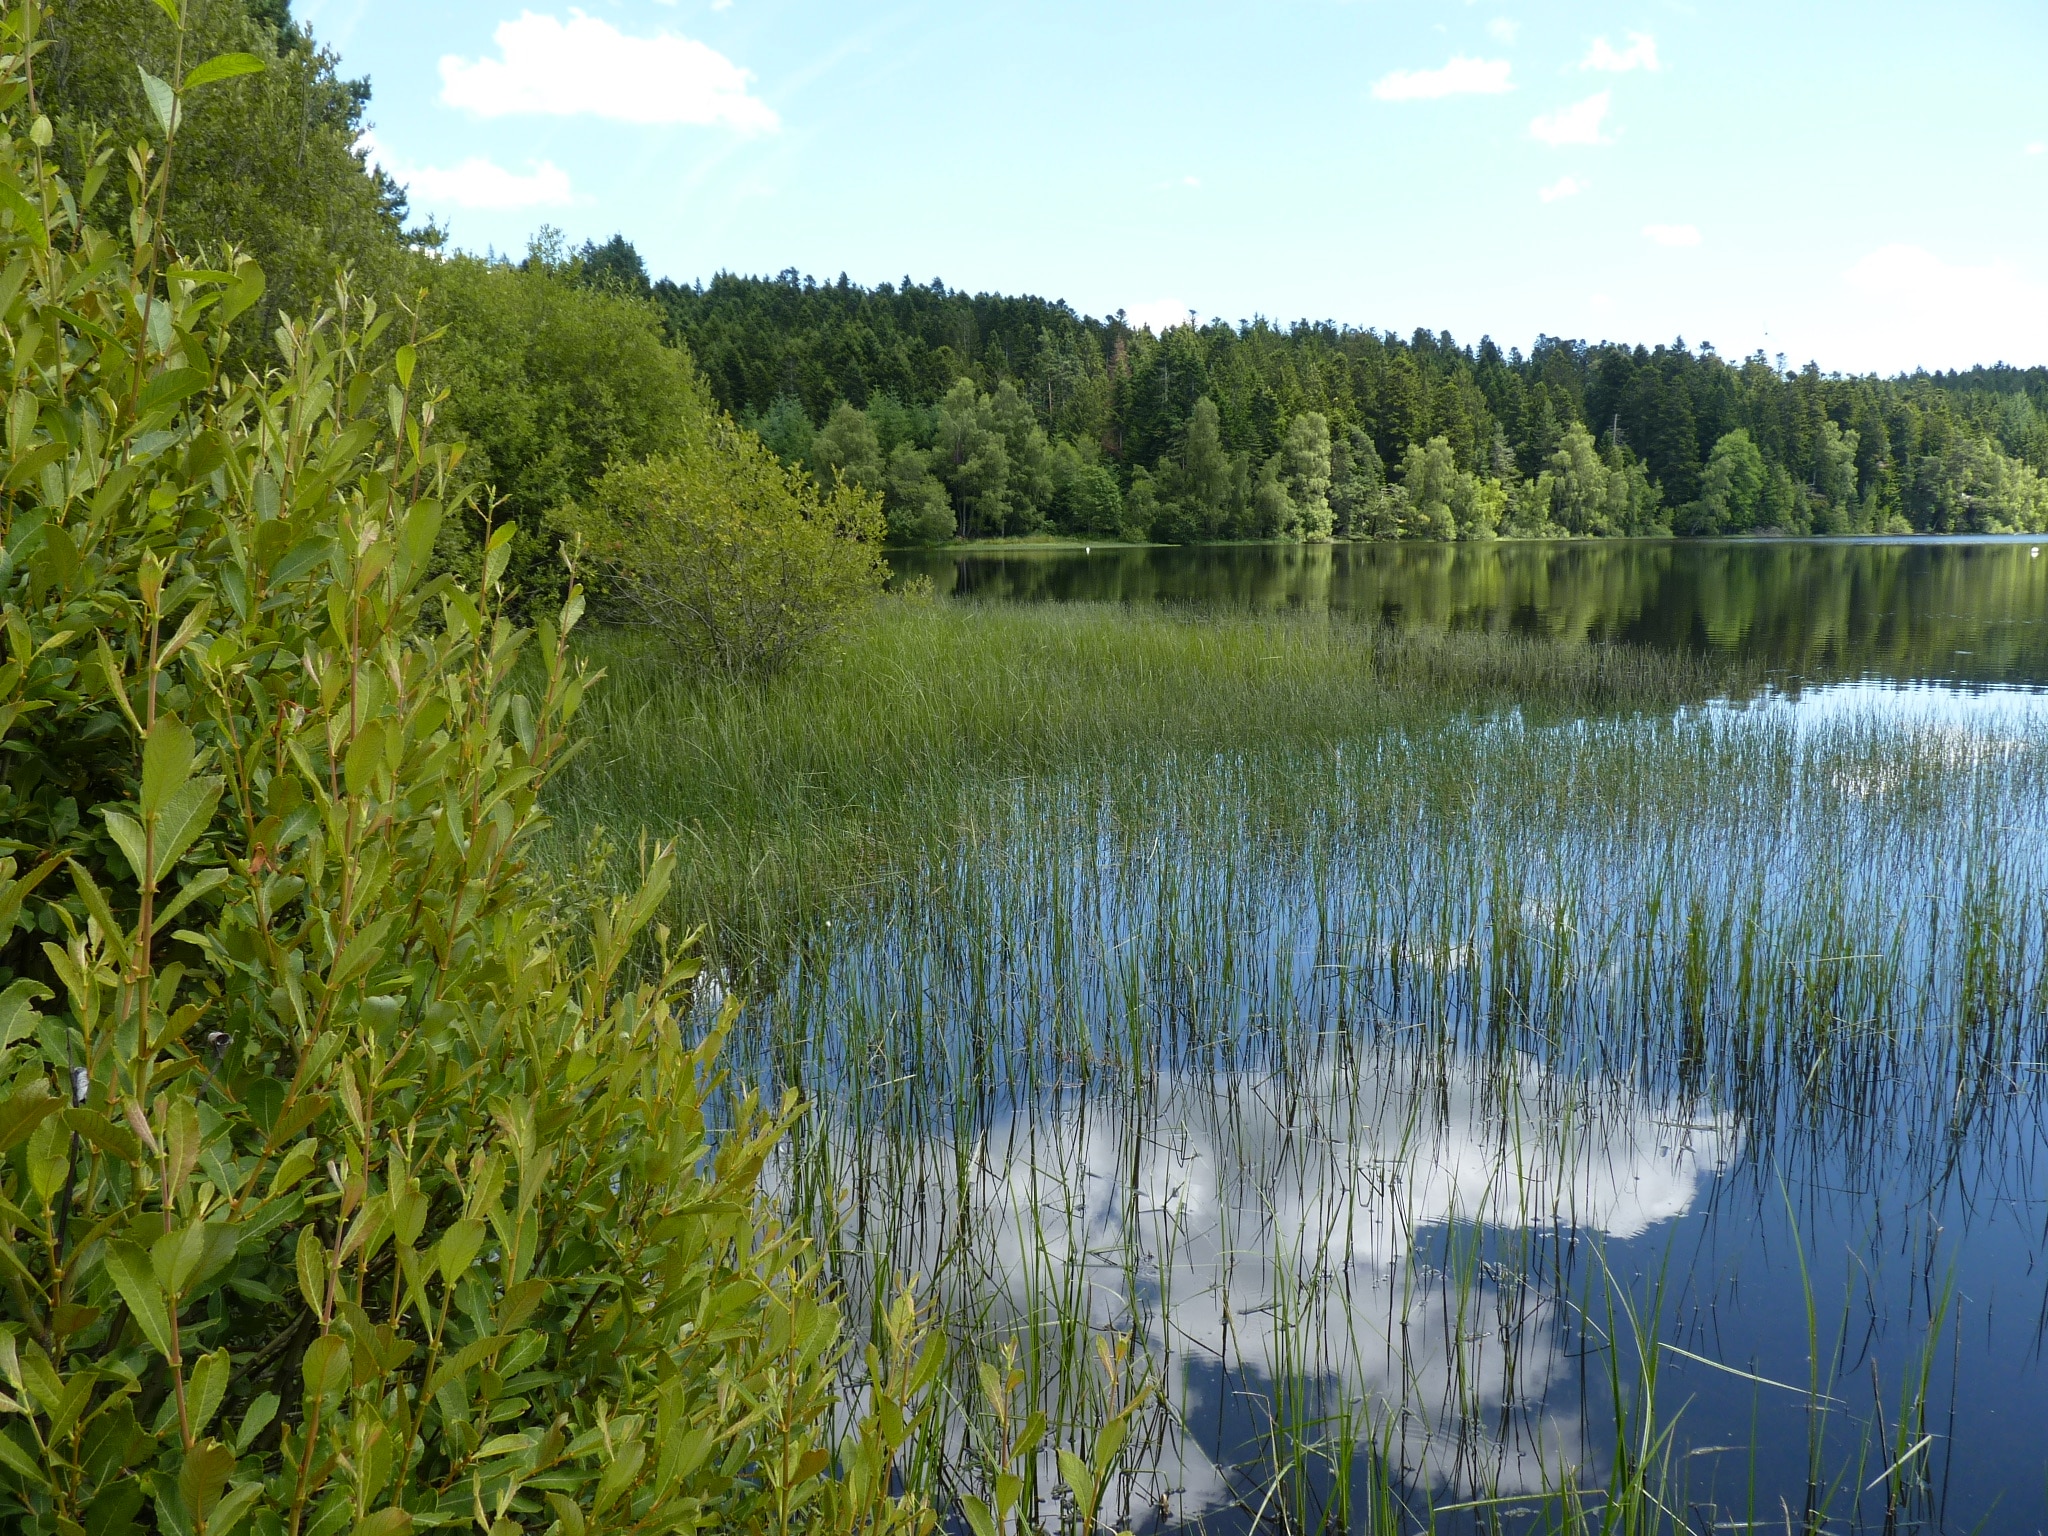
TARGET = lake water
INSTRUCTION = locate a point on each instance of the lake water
(1513, 1118)
(1956, 610)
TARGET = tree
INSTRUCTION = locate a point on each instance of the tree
(1028, 491)
(1085, 497)
(1732, 488)
(973, 459)
(267, 162)
(847, 447)
(1205, 476)
(737, 561)
(1305, 468)
(1577, 482)
(1430, 477)
(914, 504)
(547, 382)
(1273, 512)
(787, 429)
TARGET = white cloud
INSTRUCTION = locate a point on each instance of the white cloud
(1935, 313)
(1502, 30)
(1641, 53)
(585, 66)
(1672, 234)
(2037, 148)
(1576, 124)
(475, 183)
(1460, 77)
(1159, 316)
(1564, 186)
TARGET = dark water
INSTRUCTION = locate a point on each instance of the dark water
(1954, 610)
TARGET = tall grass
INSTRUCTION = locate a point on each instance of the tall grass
(796, 795)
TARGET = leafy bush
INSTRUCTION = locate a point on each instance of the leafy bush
(549, 379)
(736, 561)
(344, 1187)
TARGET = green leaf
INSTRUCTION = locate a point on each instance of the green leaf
(978, 1518)
(163, 101)
(175, 1256)
(407, 358)
(365, 756)
(169, 387)
(299, 559)
(312, 1267)
(170, 9)
(385, 1522)
(223, 66)
(201, 884)
(1080, 1478)
(29, 1106)
(96, 905)
(166, 763)
(325, 1365)
(229, 1512)
(25, 215)
(255, 1421)
(204, 1475)
(189, 814)
(129, 1267)
(208, 1386)
(14, 892)
(128, 836)
(457, 1249)
(22, 1463)
(17, 1015)
(117, 1141)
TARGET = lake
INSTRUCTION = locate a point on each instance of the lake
(1954, 610)
(1499, 1121)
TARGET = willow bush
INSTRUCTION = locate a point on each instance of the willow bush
(738, 563)
(345, 1184)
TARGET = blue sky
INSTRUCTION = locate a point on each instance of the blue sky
(1864, 184)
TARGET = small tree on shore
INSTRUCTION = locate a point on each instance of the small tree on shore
(738, 562)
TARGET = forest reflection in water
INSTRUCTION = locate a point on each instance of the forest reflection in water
(1968, 610)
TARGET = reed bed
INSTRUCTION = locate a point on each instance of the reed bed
(1404, 1049)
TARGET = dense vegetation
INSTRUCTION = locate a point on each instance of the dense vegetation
(350, 1179)
(1256, 430)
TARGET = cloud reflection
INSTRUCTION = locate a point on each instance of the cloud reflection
(1271, 1234)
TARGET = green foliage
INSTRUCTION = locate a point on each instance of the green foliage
(1732, 490)
(849, 448)
(917, 509)
(1579, 492)
(344, 1184)
(266, 161)
(1504, 416)
(549, 379)
(738, 562)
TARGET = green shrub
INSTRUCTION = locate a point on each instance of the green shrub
(344, 1186)
(736, 561)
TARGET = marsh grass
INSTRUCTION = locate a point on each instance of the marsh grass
(1329, 1015)
(799, 795)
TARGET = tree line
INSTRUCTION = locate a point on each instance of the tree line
(1310, 430)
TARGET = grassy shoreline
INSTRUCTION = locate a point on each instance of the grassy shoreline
(793, 794)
